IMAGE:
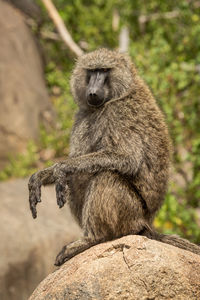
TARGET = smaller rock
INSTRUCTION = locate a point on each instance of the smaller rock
(28, 247)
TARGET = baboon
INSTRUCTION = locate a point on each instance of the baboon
(116, 176)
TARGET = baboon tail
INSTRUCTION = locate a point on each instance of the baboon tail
(173, 240)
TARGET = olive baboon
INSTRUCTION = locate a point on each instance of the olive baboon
(116, 175)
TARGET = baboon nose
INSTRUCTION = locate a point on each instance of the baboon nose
(93, 96)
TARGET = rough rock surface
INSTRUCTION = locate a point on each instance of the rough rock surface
(132, 267)
(24, 99)
(28, 247)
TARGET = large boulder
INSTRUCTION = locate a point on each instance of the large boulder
(29, 7)
(132, 267)
(28, 247)
(24, 101)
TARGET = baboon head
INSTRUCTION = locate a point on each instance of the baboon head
(101, 76)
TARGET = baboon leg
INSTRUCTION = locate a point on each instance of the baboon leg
(111, 209)
(75, 248)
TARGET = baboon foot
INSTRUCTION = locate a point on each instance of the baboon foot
(62, 256)
(73, 249)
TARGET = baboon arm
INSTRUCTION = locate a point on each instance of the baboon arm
(89, 163)
(45, 176)
(93, 163)
(99, 161)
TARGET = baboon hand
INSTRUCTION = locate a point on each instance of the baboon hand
(61, 186)
(34, 187)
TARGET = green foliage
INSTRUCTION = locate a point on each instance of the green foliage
(58, 138)
(194, 186)
(179, 218)
(166, 52)
(21, 165)
(167, 55)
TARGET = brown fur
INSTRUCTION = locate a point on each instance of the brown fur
(116, 176)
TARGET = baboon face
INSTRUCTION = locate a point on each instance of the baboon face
(97, 87)
(101, 76)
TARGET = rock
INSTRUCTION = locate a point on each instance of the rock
(132, 267)
(28, 247)
(29, 7)
(24, 99)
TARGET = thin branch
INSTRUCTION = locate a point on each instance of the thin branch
(124, 39)
(64, 33)
(143, 19)
(156, 16)
(115, 20)
(48, 35)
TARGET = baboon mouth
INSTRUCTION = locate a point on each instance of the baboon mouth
(96, 103)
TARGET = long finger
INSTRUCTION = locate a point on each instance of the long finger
(33, 203)
(60, 195)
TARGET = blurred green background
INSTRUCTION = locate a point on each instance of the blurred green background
(165, 46)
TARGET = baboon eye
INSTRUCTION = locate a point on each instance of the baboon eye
(106, 70)
(88, 75)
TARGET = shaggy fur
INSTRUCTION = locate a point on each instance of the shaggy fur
(116, 176)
